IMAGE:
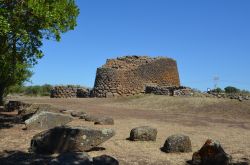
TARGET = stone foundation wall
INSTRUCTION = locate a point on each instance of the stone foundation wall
(69, 92)
(130, 75)
(168, 90)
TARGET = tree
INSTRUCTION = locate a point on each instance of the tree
(24, 24)
(217, 90)
(231, 89)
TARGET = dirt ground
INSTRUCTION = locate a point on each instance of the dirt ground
(225, 120)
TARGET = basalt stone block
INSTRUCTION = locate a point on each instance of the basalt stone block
(177, 143)
(211, 153)
(69, 139)
(29, 110)
(144, 133)
(47, 120)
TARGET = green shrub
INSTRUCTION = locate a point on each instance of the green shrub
(36, 90)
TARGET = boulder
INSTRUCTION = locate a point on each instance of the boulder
(211, 153)
(177, 143)
(69, 158)
(69, 139)
(47, 120)
(14, 105)
(89, 118)
(105, 160)
(78, 113)
(144, 133)
(29, 110)
(105, 121)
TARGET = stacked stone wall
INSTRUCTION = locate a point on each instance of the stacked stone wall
(130, 75)
(69, 92)
(169, 91)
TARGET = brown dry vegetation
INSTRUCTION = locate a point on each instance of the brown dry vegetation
(200, 118)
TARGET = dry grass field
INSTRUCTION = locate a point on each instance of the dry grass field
(200, 118)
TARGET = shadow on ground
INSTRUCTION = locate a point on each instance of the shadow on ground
(23, 158)
(7, 121)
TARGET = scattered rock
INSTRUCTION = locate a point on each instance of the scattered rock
(105, 121)
(14, 105)
(69, 139)
(105, 160)
(89, 118)
(28, 111)
(47, 120)
(77, 113)
(69, 158)
(177, 143)
(211, 153)
(144, 133)
(240, 98)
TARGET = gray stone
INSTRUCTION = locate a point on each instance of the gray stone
(47, 120)
(69, 139)
(144, 133)
(211, 153)
(105, 121)
(89, 118)
(14, 105)
(177, 143)
(77, 113)
(69, 158)
(31, 109)
(105, 160)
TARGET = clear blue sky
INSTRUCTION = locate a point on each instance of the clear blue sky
(208, 38)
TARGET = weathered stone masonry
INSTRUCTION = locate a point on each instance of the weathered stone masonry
(69, 92)
(130, 75)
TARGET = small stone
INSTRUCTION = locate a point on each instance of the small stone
(77, 113)
(89, 118)
(105, 121)
(177, 143)
(144, 133)
(105, 160)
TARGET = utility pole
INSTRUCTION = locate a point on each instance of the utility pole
(216, 80)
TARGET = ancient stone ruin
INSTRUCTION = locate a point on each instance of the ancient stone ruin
(69, 92)
(129, 75)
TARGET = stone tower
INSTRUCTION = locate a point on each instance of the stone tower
(129, 75)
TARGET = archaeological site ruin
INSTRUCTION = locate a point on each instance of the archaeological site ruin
(129, 75)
